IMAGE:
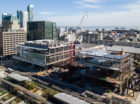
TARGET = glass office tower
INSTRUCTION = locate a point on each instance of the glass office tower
(30, 12)
(41, 30)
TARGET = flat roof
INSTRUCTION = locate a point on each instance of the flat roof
(125, 49)
(69, 99)
(84, 45)
(95, 52)
(18, 77)
(29, 47)
(102, 53)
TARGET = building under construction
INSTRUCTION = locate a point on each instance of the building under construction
(45, 52)
(112, 75)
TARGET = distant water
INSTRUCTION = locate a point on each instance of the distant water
(112, 27)
(105, 27)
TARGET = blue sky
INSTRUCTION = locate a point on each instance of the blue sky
(69, 12)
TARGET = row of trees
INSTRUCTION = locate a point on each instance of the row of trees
(47, 93)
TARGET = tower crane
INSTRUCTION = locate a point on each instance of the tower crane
(79, 37)
(83, 17)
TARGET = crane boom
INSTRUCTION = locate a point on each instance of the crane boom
(85, 15)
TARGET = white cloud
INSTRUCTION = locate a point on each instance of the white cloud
(47, 13)
(91, 1)
(88, 4)
(124, 18)
(130, 16)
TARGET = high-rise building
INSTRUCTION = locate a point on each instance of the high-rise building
(23, 18)
(9, 39)
(10, 22)
(5, 15)
(18, 14)
(30, 12)
(41, 30)
(10, 35)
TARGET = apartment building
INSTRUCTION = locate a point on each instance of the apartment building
(9, 39)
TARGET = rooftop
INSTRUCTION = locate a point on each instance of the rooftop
(68, 99)
(103, 59)
(125, 49)
(18, 77)
(44, 44)
(83, 45)
(104, 54)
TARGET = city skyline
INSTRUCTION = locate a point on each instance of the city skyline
(69, 13)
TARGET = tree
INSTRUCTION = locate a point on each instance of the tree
(30, 85)
(48, 93)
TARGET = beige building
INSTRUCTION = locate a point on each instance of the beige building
(9, 39)
(10, 35)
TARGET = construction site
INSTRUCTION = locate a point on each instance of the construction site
(113, 74)
(108, 76)
(45, 52)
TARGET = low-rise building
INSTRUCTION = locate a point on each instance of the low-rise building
(64, 98)
(18, 77)
(45, 52)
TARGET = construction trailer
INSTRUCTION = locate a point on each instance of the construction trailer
(113, 73)
(45, 52)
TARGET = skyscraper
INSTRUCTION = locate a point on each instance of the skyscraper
(41, 30)
(4, 15)
(19, 16)
(23, 18)
(10, 21)
(30, 12)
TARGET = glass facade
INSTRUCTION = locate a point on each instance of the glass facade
(23, 18)
(33, 57)
(41, 30)
(30, 12)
